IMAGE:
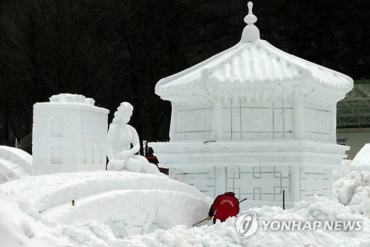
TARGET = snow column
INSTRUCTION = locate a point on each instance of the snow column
(217, 119)
(173, 131)
(220, 171)
(298, 115)
(332, 137)
(333, 123)
(221, 180)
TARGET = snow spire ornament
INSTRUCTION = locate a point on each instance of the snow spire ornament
(250, 32)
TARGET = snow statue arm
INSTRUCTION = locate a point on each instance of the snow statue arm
(119, 139)
(135, 141)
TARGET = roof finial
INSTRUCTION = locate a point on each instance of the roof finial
(250, 6)
(250, 32)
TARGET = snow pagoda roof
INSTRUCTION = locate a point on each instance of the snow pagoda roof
(253, 68)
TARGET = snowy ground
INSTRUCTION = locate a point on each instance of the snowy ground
(224, 234)
(129, 209)
(19, 229)
(353, 190)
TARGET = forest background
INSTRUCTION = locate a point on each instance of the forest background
(117, 50)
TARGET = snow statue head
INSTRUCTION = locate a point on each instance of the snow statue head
(120, 137)
(123, 113)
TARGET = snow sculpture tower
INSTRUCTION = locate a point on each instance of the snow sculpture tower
(69, 135)
(254, 120)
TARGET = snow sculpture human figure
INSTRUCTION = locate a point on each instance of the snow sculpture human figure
(120, 137)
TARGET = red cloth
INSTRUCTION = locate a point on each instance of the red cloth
(224, 206)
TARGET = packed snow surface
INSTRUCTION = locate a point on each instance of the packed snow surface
(47, 191)
(131, 209)
(224, 234)
(18, 229)
(128, 203)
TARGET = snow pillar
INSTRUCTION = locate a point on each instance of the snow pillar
(330, 178)
(217, 119)
(221, 178)
(333, 123)
(294, 184)
(298, 114)
(173, 127)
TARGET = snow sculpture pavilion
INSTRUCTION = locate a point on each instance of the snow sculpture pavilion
(69, 135)
(254, 120)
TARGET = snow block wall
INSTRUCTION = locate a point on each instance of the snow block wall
(264, 183)
(240, 120)
(262, 171)
(315, 181)
(69, 135)
(258, 121)
(318, 128)
(192, 123)
(243, 120)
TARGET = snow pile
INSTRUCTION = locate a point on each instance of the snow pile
(132, 212)
(224, 234)
(342, 170)
(354, 190)
(128, 203)
(87, 234)
(46, 191)
(320, 208)
(139, 210)
(18, 229)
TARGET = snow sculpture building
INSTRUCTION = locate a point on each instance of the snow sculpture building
(361, 162)
(254, 120)
(69, 135)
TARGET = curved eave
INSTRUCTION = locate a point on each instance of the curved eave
(254, 94)
(325, 77)
(190, 77)
(252, 64)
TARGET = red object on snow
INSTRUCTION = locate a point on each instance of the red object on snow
(224, 206)
(154, 160)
